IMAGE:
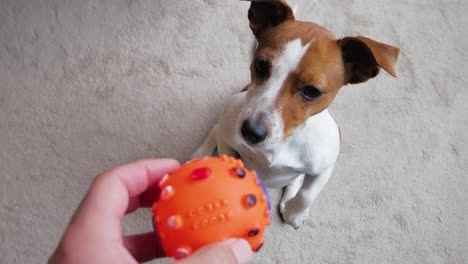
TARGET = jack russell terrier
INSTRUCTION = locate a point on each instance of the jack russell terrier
(279, 124)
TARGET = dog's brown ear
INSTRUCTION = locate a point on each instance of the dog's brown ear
(363, 58)
(268, 13)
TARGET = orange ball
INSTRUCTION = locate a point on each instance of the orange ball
(209, 200)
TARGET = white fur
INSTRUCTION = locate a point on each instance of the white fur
(311, 150)
(261, 98)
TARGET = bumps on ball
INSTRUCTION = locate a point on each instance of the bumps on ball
(250, 200)
(201, 173)
(239, 172)
(209, 200)
(167, 193)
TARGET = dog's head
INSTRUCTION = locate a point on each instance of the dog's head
(298, 68)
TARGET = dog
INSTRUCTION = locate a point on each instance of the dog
(279, 125)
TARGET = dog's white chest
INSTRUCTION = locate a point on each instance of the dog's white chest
(275, 170)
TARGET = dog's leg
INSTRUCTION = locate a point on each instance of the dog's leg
(296, 210)
(290, 191)
(208, 146)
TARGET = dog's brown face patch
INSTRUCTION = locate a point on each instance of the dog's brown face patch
(326, 65)
(312, 86)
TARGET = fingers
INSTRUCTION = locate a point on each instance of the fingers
(114, 191)
(144, 247)
(145, 199)
(232, 251)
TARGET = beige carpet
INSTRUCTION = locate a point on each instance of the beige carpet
(86, 85)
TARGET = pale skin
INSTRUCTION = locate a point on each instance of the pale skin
(94, 234)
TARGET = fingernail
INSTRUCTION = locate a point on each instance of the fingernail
(241, 250)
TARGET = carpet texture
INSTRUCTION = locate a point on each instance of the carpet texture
(87, 85)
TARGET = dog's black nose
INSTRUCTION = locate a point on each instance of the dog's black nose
(254, 131)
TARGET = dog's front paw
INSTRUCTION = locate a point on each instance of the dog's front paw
(282, 207)
(293, 214)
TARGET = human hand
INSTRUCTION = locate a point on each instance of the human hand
(94, 234)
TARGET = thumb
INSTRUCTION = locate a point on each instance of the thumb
(231, 251)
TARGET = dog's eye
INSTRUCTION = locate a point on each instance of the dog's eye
(262, 67)
(310, 93)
